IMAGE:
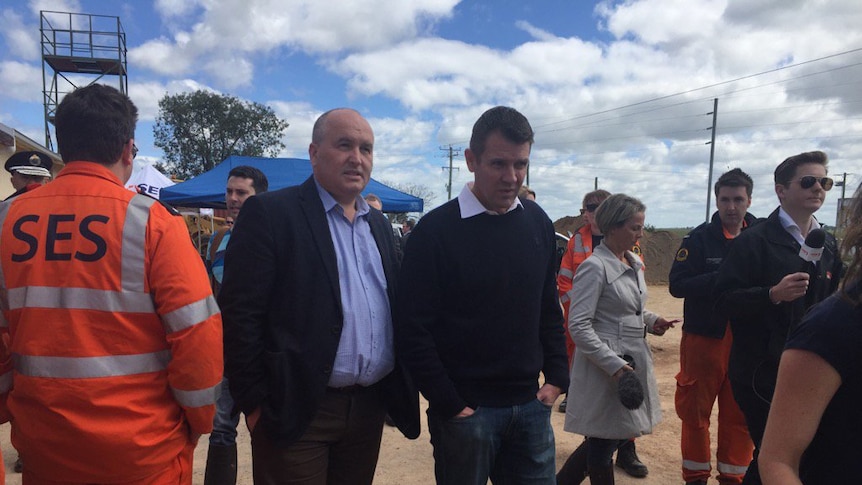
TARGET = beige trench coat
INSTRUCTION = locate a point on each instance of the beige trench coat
(607, 319)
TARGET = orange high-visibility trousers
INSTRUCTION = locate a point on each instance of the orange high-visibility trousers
(179, 472)
(703, 378)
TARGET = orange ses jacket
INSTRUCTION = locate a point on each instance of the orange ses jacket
(115, 336)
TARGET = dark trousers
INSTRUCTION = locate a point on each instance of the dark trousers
(340, 445)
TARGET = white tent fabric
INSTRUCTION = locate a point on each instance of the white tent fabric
(148, 181)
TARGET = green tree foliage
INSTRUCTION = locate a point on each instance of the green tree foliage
(199, 130)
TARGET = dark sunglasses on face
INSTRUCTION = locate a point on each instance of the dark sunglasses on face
(591, 207)
(808, 181)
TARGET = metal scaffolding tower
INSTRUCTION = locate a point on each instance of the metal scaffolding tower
(78, 49)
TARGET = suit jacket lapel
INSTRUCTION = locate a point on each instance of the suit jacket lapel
(378, 231)
(314, 213)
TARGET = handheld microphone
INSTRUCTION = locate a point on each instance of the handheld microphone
(812, 248)
(810, 253)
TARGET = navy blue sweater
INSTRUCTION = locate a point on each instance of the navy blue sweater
(478, 315)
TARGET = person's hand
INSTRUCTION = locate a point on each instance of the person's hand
(548, 394)
(466, 412)
(790, 287)
(662, 324)
(625, 368)
(251, 419)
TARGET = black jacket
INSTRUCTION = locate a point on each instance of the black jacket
(757, 260)
(281, 306)
(693, 275)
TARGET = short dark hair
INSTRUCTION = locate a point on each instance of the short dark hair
(507, 121)
(786, 170)
(93, 123)
(735, 178)
(258, 178)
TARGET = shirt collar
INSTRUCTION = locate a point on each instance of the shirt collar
(90, 168)
(470, 205)
(330, 203)
(791, 227)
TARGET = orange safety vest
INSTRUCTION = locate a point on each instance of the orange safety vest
(115, 336)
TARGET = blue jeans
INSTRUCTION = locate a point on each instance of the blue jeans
(509, 445)
(224, 423)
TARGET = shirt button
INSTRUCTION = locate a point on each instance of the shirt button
(637, 312)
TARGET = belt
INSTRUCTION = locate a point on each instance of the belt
(353, 389)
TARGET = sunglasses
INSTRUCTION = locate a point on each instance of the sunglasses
(134, 150)
(591, 207)
(808, 181)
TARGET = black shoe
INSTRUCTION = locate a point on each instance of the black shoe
(696, 482)
(562, 407)
(19, 465)
(627, 459)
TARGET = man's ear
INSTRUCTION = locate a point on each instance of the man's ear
(471, 160)
(779, 191)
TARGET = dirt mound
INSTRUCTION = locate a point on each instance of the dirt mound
(659, 248)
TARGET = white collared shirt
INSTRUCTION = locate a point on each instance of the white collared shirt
(792, 228)
(470, 205)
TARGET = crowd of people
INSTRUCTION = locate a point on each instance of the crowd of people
(111, 361)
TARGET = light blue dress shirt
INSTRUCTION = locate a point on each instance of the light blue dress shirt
(365, 352)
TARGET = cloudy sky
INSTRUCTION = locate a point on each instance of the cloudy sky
(617, 91)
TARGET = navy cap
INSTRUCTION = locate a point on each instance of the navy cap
(30, 163)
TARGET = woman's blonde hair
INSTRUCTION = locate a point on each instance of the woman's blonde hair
(851, 248)
(616, 210)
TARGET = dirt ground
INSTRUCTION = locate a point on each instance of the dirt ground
(404, 461)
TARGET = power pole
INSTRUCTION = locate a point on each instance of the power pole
(453, 152)
(711, 155)
(840, 205)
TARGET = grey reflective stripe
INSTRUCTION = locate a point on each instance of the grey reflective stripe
(131, 299)
(567, 273)
(695, 465)
(91, 367)
(80, 299)
(5, 382)
(196, 399)
(567, 297)
(4, 302)
(579, 243)
(725, 468)
(134, 242)
(190, 315)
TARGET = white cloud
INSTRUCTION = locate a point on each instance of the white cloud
(176, 8)
(236, 29)
(21, 81)
(535, 32)
(22, 38)
(36, 6)
(146, 95)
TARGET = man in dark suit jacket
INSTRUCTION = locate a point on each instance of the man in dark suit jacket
(308, 284)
